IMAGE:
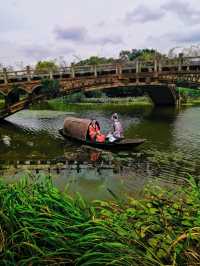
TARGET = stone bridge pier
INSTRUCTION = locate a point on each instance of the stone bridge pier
(162, 95)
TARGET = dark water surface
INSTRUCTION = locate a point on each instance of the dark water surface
(29, 140)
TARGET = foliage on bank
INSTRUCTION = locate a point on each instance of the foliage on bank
(41, 226)
(188, 95)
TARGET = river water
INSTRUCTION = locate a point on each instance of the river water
(30, 143)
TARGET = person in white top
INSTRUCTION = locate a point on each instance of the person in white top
(117, 132)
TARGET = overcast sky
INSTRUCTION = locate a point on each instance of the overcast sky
(33, 30)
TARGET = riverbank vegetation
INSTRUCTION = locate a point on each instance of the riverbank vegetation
(41, 226)
(189, 96)
(111, 104)
(118, 100)
(97, 101)
(81, 98)
(2, 103)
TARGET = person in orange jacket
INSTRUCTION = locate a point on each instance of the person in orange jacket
(94, 132)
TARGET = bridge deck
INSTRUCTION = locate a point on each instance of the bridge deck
(179, 71)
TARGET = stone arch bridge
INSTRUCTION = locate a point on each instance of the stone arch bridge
(157, 78)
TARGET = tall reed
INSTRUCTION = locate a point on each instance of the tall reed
(41, 226)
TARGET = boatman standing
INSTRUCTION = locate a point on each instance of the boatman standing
(117, 132)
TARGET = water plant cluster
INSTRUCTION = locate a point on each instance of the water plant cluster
(41, 226)
(117, 100)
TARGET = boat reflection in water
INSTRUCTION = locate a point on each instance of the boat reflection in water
(90, 172)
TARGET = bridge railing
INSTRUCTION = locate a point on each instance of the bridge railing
(137, 66)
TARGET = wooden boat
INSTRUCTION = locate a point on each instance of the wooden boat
(77, 129)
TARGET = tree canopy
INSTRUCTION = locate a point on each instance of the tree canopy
(95, 60)
(124, 55)
(142, 54)
(46, 66)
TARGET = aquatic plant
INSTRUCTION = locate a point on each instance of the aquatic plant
(41, 226)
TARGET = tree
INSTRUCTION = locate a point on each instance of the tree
(62, 62)
(46, 67)
(127, 55)
(142, 54)
(95, 60)
(50, 87)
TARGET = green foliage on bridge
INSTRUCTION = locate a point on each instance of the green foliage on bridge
(46, 67)
(50, 87)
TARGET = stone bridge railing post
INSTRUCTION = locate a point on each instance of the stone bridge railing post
(51, 74)
(155, 65)
(28, 72)
(137, 66)
(72, 70)
(160, 66)
(179, 64)
(5, 74)
(180, 61)
(95, 71)
(137, 71)
(118, 69)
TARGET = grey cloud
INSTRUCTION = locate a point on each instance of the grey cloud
(143, 14)
(178, 38)
(65, 50)
(10, 23)
(41, 52)
(183, 10)
(74, 34)
(186, 37)
(80, 35)
(11, 18)
(14, 3)
(114, 40)
(101, 24)
(36, 52)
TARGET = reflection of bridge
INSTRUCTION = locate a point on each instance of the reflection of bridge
(158, 78)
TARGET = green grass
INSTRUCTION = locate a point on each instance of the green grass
(61, 105)
(2, 103)
(192, 102)
(41, 226)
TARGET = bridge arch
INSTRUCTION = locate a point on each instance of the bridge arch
(16, 87)
(159, 94)
(36, 90)
(16, 94)
(162, 95)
